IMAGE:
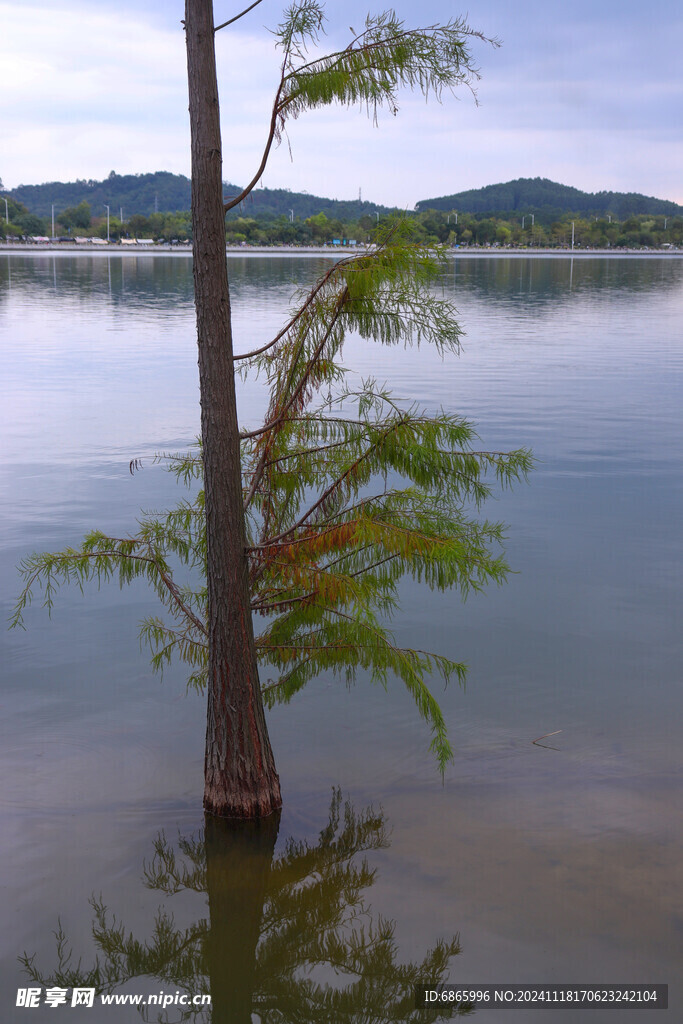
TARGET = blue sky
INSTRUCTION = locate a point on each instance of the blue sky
(586, 93)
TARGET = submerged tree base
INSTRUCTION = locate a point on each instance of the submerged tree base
(247, 799)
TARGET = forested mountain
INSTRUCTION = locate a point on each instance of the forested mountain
(548, 201)
(164, 192)
(136, 193)
(157, 206)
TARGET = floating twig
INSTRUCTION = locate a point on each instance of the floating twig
(546, 746)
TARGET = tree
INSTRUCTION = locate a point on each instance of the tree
(76, 216)
(30, 224)
(287, 525)
(138, 225)
(240, 770)
(320, 227)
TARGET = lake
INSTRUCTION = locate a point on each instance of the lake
(553, 863)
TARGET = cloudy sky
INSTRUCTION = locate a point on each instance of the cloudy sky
(588, 93)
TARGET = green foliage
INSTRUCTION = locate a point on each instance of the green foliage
(21, 220)
(548, 200)
(439, 227)
(162, 192)
(346, 491)
(136, 193)
(76, 216)
(266, 213)
(11, 230)
(31, 225)
(380, 60)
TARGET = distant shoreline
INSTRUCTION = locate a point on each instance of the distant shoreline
(57, 248)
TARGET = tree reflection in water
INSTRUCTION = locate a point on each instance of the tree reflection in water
(289, 938)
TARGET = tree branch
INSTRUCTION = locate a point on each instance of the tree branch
(281, 416)
(300, 312)
(258, 472)
(340, 479)
(172, 588)
(237, 16)
(272, 133)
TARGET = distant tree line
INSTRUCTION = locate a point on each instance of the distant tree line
(78, 221)
(521, 212)
(434, 227)
(430, 227)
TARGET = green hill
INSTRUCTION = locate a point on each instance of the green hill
(136, 193)
(549, 201)
(165, 192)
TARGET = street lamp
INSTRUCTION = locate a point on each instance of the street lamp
(53, 222)
(6, 211)
(107, 209)
(291, 216)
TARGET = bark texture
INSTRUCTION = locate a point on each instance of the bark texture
(240, 776)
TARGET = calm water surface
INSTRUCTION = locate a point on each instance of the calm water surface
(554, 865)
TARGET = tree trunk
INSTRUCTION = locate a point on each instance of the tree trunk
(239, 770)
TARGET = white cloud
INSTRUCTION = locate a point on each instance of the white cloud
(78, 87)
(88, 87)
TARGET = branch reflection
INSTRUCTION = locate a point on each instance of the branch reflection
(289, 938)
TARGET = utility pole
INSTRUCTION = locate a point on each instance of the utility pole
(53, 221)
(572, 234)
(107, 209)
(7, 212)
